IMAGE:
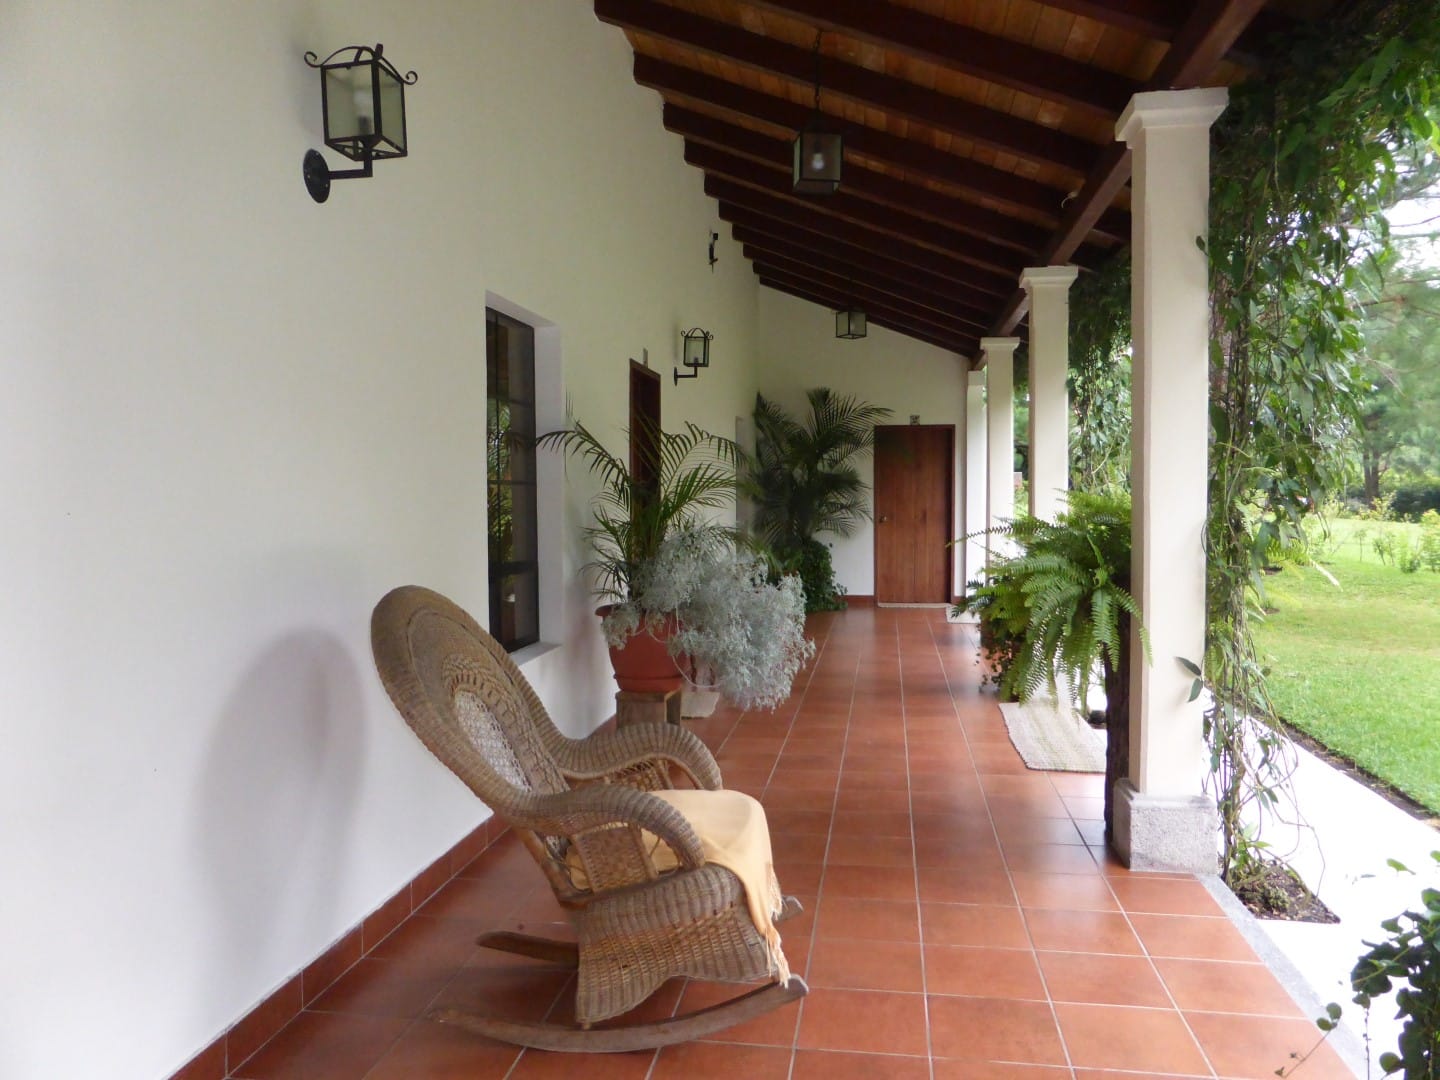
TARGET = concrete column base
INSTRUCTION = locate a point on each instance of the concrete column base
(1160, 833)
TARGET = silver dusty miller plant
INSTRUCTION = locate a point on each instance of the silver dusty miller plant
(737, 632)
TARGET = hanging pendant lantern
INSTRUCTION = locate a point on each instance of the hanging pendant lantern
(850, 323)
(818, 149)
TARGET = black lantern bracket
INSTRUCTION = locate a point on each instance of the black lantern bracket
(694, 352)
(370, 126)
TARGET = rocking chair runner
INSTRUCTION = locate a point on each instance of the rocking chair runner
(586, 811)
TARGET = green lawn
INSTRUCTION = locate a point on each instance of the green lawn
(1358, 666)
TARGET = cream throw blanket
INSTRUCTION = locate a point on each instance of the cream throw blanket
(733, 834)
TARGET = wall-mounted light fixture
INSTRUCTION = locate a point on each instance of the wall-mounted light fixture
(694, 352)
(363, 99)
(818, 149)
(850, 323)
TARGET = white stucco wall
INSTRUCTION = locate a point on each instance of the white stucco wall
(232, 419)
(799, 350)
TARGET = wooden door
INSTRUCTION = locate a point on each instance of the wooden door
(644, 427)
(914, 513)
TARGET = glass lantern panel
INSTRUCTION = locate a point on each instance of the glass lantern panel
(850, 323)
(697, 353)
(349, 109)
(392, 113)
(817, 161)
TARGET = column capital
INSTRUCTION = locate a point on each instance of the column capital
(1033, 277)
(1171, 109)
(996, 345)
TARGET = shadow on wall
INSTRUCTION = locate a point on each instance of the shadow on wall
(274, 807)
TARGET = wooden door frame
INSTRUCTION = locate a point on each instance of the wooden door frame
(950, 473)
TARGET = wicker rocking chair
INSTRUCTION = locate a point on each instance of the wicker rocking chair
(584, 810)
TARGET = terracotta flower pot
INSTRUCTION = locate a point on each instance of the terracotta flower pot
(644, 664)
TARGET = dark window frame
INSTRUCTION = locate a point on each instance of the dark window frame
(512, 547)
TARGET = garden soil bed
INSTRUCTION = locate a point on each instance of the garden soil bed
(1276, 893)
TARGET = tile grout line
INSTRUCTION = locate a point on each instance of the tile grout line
(915, 860)
(1010, 878)
(820, 655)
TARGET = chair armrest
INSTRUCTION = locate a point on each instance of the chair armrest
(581, 810)
(607, 755)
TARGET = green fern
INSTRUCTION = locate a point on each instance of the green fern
(1058, 602)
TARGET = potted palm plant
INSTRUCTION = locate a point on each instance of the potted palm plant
(803, 482)
(684, 473)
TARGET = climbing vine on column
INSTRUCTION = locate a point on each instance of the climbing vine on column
(1306, 159)
(1100, 378)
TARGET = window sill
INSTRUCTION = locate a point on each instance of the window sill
(530, 653)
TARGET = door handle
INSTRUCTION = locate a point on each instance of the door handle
(882, 519)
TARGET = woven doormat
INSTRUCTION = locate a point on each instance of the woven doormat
(1050, 737)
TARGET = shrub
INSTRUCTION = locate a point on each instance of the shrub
(1410, 500)
(817, 577)
(1430, 539)
(1410, 956)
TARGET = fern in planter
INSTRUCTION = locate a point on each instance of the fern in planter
(1061, 607)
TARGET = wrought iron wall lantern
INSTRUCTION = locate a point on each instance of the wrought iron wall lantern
(850, 323)
(363, 100)
(819, 150)
(694, 352)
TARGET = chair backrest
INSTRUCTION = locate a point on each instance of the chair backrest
(463, 696)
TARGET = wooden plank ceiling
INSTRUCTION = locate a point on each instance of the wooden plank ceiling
(979, 134)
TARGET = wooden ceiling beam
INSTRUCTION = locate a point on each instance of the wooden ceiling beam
(883, 318)
(907, 32)
(897, 97)
(846, 294)
(862, 236)
(763, 248)
(863, 290)
(1208, 33)
(1202, 42)
(1161, 20)
(982, 181)
(867, 183)
(1154, 19)
(771, 235)
(970, 248)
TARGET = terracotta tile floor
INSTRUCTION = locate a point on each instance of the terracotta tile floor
(962, 917)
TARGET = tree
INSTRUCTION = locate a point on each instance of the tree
(1402, 359)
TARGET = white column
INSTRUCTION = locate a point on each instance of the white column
(1049, 291)
(1161, 819)
(998, 356)
(975, 473)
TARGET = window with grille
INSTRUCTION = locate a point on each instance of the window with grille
(510, 469)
